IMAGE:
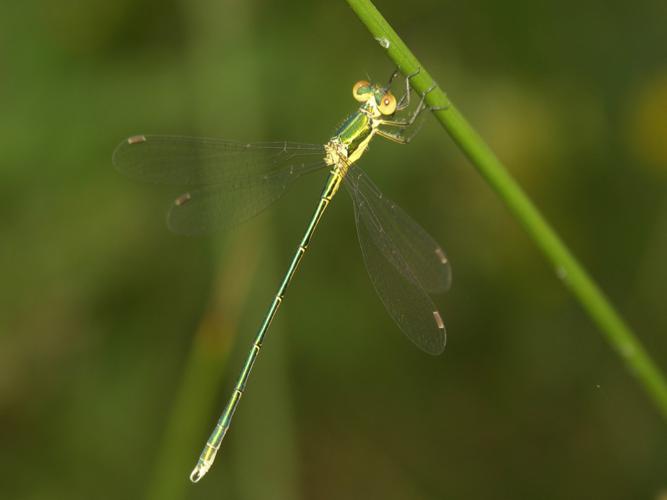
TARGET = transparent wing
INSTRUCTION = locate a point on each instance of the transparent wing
(402, 241)
(226, 205)
(196, 161)
(231, 181)
(398, 280)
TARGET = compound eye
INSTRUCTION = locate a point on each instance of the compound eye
(387, 104)
(361, 91)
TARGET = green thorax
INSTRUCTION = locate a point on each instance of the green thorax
(354, 130)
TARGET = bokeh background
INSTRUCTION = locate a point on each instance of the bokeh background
(120, 342)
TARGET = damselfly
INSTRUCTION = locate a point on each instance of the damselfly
(230, 182)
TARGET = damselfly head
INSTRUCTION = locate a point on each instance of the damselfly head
(378, 97)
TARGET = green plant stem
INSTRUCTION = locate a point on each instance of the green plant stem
(573, 275)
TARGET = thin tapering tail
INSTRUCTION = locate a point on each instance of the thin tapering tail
(215, 440)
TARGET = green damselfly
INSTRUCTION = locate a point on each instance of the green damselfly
(231, 182)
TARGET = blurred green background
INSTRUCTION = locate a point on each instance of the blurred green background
(120, 342)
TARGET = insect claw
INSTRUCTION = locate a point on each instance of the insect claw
(429, 90)
(415, 73)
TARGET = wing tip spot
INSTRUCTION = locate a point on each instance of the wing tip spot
(183, 199)
(441, 255)
(438, 320)
(136, 139)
